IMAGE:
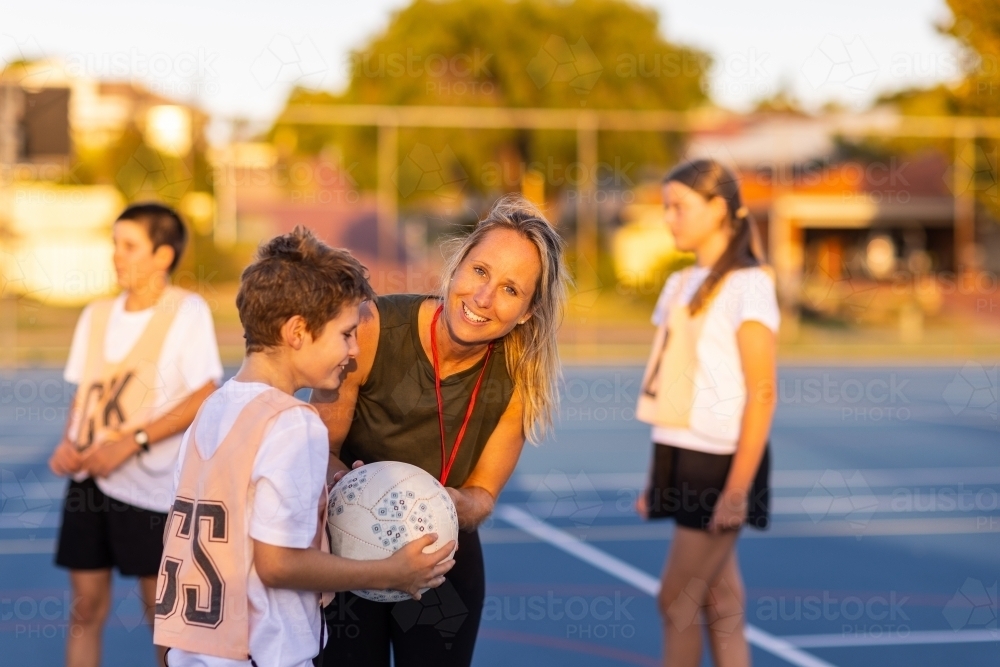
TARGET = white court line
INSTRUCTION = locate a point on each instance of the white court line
(21, 547)
(916, 637)
(780, 479)
(838, 528)
(640, 580)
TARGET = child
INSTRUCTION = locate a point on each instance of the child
(709, 392)
(143, 362)
(242, 563)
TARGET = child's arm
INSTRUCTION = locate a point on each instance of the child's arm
(101, 461)
(408, 569)
(757, 346)
(66, 459)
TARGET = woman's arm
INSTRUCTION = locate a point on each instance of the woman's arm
(758, 353)
(475, 500)
(336, 408)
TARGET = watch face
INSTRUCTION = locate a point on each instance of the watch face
(141, 438)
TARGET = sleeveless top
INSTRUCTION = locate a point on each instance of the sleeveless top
(201, 599)
(396, 417)
(115, 397)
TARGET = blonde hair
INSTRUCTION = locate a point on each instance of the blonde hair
(531, 352)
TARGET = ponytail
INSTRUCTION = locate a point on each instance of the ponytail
(710, 179)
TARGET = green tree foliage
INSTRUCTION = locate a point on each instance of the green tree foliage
(977, 28)
(593, 54)
(975, 25)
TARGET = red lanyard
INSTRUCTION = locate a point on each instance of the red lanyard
(446, 462)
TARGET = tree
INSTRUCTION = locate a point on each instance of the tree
(594, 54)
(976, 26)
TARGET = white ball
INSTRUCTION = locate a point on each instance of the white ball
(378, 508)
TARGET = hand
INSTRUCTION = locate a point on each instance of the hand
(472, 504)
(730, 511)
(339, 475)
(413, 570)
(66, 459)
(105, 458)
(642, 504)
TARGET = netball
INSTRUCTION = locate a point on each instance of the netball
(380, 507)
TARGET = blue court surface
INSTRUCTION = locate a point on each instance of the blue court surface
(884, 546)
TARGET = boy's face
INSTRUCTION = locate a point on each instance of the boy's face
(135, 260)
(324, 358)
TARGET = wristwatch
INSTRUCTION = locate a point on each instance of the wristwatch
(141, 439)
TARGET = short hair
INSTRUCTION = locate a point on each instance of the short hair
(297, 274)
(163, 225)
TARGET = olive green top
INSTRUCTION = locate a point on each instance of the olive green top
(396, 418)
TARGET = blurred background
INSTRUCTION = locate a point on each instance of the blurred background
(865, 135)
(866, 148)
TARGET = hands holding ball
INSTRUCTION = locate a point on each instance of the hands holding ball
(395, 510)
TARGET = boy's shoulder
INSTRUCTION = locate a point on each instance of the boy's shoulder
(253, 407)
(256, 400)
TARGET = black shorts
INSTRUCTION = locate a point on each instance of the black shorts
(439, 630)
(685, 484)
(99, 532)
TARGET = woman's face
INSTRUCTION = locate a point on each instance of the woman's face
(692, 219)
(492, 288)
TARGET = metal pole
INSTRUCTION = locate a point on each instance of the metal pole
(387, 204)
(9, 112)
(586, 205)
(963, 189)
(225, 231)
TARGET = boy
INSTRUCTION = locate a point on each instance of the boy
(143, 362)
(243, 563)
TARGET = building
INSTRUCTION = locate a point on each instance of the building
(58, 128)
(839, 225)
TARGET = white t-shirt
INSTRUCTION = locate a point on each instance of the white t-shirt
(720, 396)
(289, 475)
(188, 360)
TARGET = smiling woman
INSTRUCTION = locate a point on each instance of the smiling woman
(454, 384)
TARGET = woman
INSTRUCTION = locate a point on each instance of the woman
(708, 390)
(453, 384)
